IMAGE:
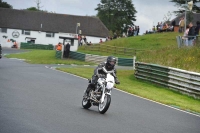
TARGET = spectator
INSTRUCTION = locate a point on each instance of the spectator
(79, 40)
(191, 34)
(154, 29)
(161, 27)
(14, 45)
(181, 25)
(115, 36)
(197, 29)
(135, 32)
(101, 41)
(158, 27)
(138, 30)
(85, 39)
(59, 46)
(67, 50)
(171, 28)
(129, 32)
(185, 36)
(173, 24)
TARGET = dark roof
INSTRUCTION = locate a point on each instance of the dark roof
(51, 22)
(196, 17)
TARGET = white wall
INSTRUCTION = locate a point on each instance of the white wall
(42, 39)
(95, 40)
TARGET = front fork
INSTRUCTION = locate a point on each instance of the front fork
(104, 93)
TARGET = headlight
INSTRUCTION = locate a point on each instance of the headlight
(109, 85)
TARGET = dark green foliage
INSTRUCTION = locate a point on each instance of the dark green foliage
(32, 9)
(5, 4)
(117, 15)
(181, 4)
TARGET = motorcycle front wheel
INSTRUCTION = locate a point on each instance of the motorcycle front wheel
(103, 107)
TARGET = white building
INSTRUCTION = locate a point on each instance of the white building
(48, 28)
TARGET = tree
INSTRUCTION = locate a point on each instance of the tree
(32, 9)
(38, 8)
(116, 15)
(167, 17)
(38, 2)
(181, 5)
(5, 4)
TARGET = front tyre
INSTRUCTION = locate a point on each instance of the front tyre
(103, 107)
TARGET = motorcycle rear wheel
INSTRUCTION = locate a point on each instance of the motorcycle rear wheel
(103, 107)
(86, 103)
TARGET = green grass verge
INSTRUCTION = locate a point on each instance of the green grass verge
(45, 57)
(144, 89)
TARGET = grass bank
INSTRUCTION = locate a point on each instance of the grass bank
(45, 57)
(159, 48)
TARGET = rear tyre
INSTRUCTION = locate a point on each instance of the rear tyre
(86, 103)
(103, 107)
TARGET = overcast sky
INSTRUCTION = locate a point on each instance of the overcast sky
(149, 12)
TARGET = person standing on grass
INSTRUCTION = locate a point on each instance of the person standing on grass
(185, 36)
(138, 30)
(197, 29)
(67, 50)
(181, 25)
(191, 34)
(59, 47)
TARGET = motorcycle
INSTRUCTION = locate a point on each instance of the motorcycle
(100, 95)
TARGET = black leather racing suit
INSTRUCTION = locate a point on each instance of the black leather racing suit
(99, 71)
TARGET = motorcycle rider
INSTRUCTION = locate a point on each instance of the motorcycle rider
(109, 65)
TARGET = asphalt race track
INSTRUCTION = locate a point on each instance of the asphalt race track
(36, 99)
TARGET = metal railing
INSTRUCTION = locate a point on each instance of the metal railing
(180, 80)
(181, 41)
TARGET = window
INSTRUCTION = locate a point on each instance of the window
(26, 32)
(31, 41)
(3, 30)
(48, 34)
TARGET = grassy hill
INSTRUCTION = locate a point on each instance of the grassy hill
(159, 48)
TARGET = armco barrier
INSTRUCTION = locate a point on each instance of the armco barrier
(176, 79)
(36, 46)
(58, 54)
(125, 62)
(77, 55)
(99, 59)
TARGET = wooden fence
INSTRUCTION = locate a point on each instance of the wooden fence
(111, 49)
